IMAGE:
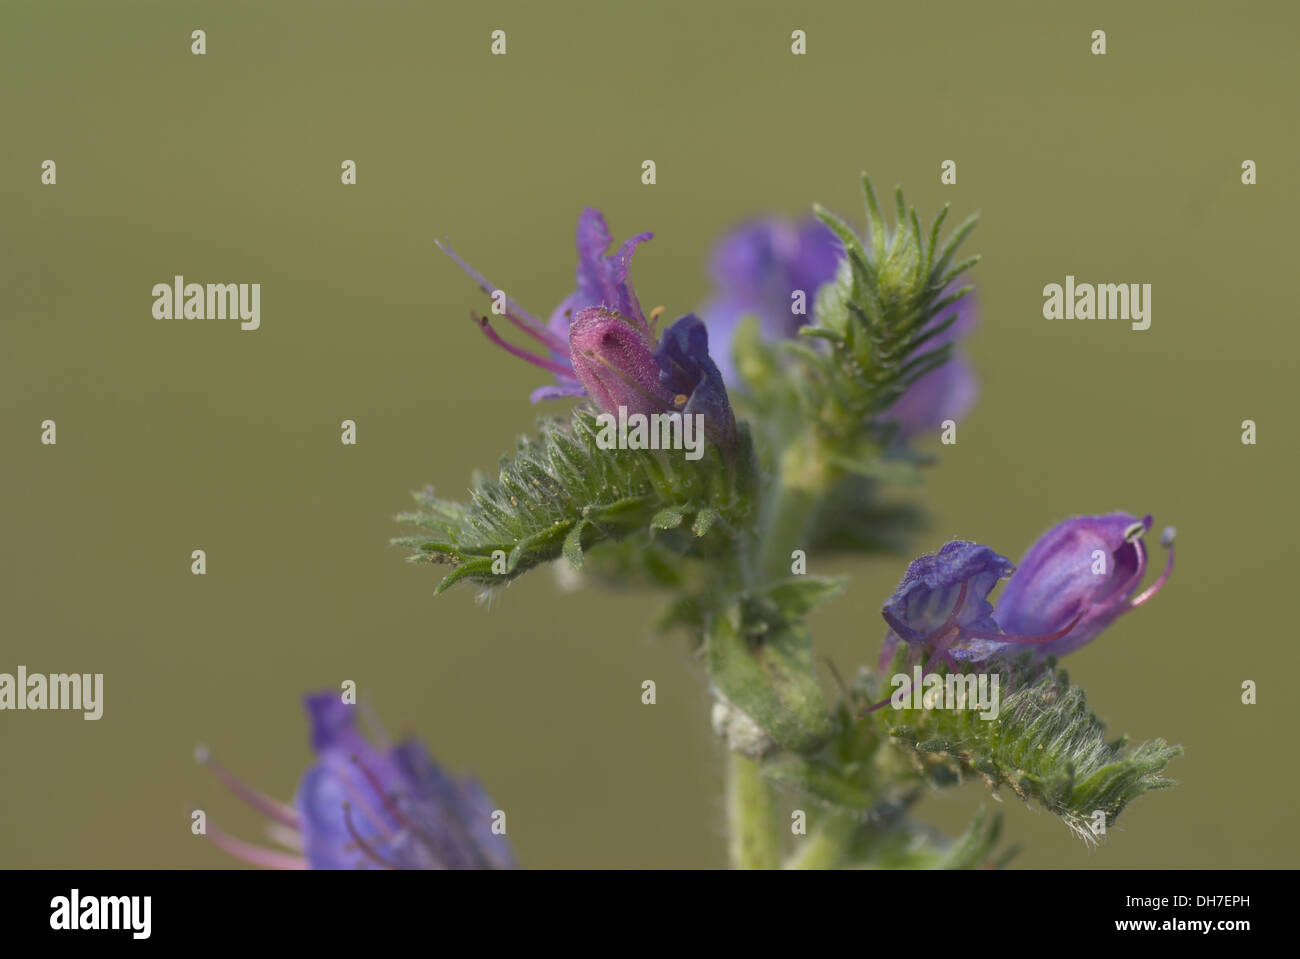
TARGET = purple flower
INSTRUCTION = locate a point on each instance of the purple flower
(688, 372)
(602, 282)
(1082, 571)
(1073, 583)
(757, 267)
(946, 590)
(363, 807)
(602, 345)
(945, 393)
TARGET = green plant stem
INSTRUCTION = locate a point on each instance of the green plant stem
(751, 813)
(789, 505)
(825, 846)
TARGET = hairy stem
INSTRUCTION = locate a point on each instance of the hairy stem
(824, 847)
(789, 505)
(751, 815)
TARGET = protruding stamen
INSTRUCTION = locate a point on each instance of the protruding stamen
(365, 847)
(515, 313)
(559, 369)
(1167, 541)
(289, 838)
(880, 705)
(384, 796)
(376, 727)
(542, 335)
(253, 855)
(372, 815)
(271, 808)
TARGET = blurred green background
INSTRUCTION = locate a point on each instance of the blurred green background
(174, 436)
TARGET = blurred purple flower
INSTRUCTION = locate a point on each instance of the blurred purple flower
(946, 393)
(758, 267)
(359, 807)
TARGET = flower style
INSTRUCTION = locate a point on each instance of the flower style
(359, 807)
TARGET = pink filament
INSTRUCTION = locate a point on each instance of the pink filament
(383, 795)
(253, 855)
(515, 313)
(271, 808)
(559, 369)
(361, 844)
(372, 816)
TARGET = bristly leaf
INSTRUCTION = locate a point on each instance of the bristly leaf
(1044, 744)
(562, 494)
(876, 316)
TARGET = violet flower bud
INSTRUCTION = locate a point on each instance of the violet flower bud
(690, 374)
(615, 362)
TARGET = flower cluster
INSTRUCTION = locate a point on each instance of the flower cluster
(855, 355)
(1074, 582)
